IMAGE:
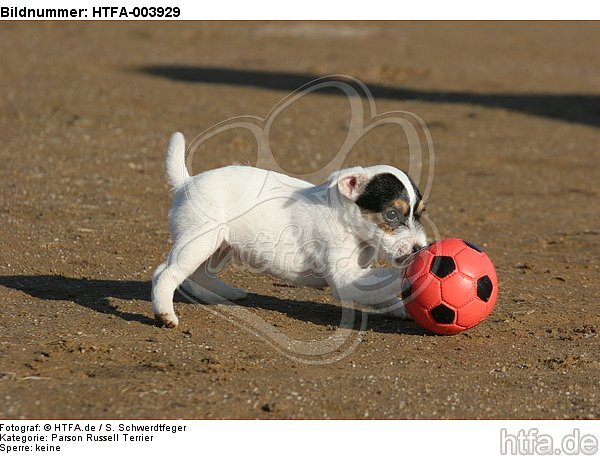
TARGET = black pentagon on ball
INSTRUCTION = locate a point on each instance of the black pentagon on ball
(484, 288)
(441, 266)
(406, 288)
(442, 314)
(473, 246)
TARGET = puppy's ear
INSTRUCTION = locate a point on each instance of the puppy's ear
(352, 185)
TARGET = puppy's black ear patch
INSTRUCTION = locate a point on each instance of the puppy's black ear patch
(380, 192)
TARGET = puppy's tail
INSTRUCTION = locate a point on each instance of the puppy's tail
(177, 173)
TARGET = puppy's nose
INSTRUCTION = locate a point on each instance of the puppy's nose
(416, 248)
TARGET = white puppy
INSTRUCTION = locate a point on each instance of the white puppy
(325, 235)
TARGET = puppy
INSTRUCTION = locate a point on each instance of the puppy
(317, 236)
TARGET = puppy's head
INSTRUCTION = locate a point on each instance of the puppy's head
(383, 205)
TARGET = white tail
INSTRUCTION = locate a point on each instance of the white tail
(177, 173)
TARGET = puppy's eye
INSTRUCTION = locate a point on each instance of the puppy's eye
(391, 216)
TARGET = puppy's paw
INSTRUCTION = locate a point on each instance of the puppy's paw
(398, 310)
(402, 314)
(168, 319)
(234, 294)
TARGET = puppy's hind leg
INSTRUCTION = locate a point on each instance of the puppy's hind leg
(203, 284)
(185, 257)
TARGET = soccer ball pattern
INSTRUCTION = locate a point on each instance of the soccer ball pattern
(449, 286)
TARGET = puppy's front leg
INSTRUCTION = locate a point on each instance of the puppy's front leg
(378, 288)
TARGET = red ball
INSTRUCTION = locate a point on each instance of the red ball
(449, 286)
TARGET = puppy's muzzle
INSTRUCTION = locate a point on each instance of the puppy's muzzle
(403, 260)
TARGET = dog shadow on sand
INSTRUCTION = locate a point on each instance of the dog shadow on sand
(96, 294)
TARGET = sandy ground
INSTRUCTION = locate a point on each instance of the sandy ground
(87, 108)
